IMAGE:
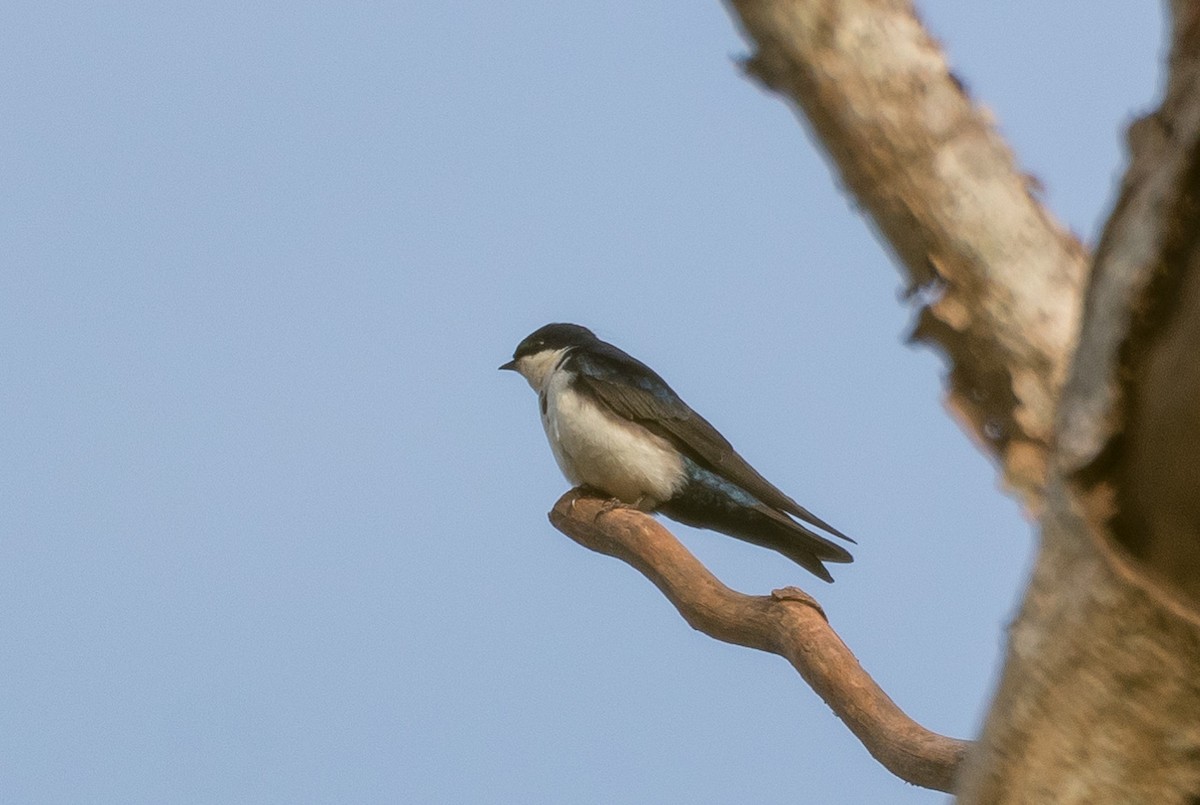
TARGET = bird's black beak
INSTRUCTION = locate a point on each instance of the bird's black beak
(511, 366)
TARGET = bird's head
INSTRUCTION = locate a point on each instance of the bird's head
(540, 351)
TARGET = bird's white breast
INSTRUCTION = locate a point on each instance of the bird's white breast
(597, 448)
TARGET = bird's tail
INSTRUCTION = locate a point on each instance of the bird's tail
(710, 501)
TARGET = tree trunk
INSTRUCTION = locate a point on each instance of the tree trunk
(1100, 695)
(1100, 698)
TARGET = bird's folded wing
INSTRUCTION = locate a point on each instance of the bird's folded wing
(649, 401)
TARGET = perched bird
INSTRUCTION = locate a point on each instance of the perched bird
(615, 426)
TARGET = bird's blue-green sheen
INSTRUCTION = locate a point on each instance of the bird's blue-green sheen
(616, 425)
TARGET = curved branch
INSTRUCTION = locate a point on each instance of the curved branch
(788, 623)
(941, 186)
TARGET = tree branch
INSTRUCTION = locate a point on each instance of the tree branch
(941, 186)
(1100, 696)
(788, 622)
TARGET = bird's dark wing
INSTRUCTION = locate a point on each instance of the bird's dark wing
(632, 390)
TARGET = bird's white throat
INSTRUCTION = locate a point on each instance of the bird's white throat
(538, 367)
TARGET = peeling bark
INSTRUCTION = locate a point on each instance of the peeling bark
(1157, 456)
(941, 186)
(1100, 698)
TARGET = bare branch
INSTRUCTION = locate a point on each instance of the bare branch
(788, 623)
(943, 190)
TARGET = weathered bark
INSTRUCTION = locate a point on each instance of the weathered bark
(1158, 396)
(1100, 698)
(942, 189)
(788, 623)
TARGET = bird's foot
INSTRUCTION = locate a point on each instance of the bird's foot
(583, 490)
(610, 504)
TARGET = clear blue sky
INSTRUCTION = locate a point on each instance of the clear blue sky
(272, 526)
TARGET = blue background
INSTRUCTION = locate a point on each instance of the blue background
(272, 527)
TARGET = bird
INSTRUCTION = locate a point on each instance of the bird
(616, 427)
